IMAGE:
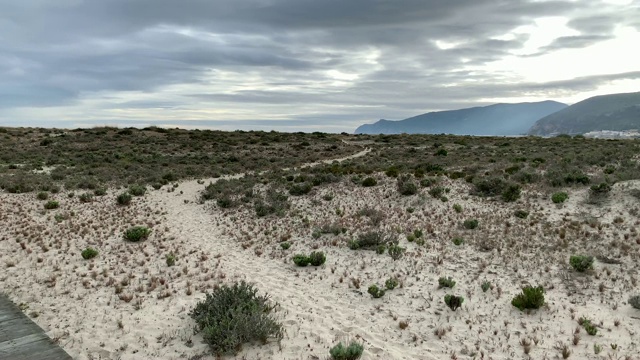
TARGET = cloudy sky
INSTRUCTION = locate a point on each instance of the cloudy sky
(307, 65)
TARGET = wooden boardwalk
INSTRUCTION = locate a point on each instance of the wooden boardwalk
(21, 338)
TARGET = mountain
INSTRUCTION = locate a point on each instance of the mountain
(497, 119)
(616, 112)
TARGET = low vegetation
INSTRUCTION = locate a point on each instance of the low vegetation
(530, 298)
(233, 315)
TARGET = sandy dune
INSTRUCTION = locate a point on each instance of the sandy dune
(128, 304)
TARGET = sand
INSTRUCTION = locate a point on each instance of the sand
(77, 303)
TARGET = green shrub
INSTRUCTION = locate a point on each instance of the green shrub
(511, 193)
(317, 258)
(137, 233)
(530, 298)
(581, 263)
(368, 182)
(427, 182)
(375, 291)
(51, 204)
(411, 237)
(86, 197)
(100, 192)
(453, 302)
(137, 190)
(457, 208)
(353, 244)
(233, 315)
(351, 352)
(485, 286)
(489, 186)
(470, 224)
(392, 172)
(43, 195)
(406, 186)
(371, 240)
(171, 259)
(300, 189)
(559, 197)
(89, 253)
(391, 283)
(634, 301)
(396, 252)
(436, 192)
(588, 326)
(285, 245)
(522, 214)
(301, 260)
(441, 152)
(446, 282)
(381, 249)
(124, 198)
(458, 241)
(417, 233)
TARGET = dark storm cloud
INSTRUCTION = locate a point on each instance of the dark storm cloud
(269, 52)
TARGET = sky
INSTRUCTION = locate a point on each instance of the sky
(303, 65)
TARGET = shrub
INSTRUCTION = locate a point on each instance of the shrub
(598, 193)
(511, 193)
(588, 326)
(427, 182)
(371, 240)
(380, 249)
(137, 190)
(522, 214)
(470, 224)
(530, 298)
(86, 197)
(89, 253)
(417, 233)
(634, 301)
(457, 208)
(301, 260)
(300, 189)
(485, 286)
(375, 291)
(406, 187)
(411, 238)
(458, 241)
(446, 282)
(351, 352)
(43, 195)
(453, 302)
(436, 192)
(100, 192)
(137, 233)
(396, 252)
(171, 259)
(233, 315)
(317, 258)
(124, 198)
(581, 263)
(285, 245)
(51, 205)
(392, 172)
(441, 152)
(489, 186)
(391, 283)
(559, 197)
(368, 182)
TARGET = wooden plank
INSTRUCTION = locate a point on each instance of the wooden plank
(22, 339)
(17, 328)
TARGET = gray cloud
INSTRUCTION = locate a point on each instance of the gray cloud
(336, 63)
